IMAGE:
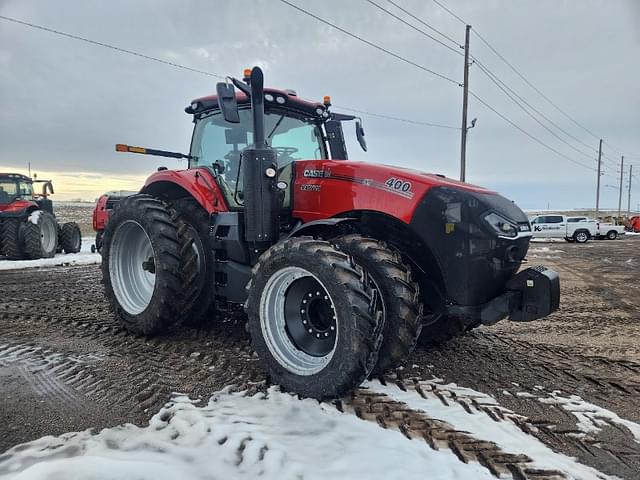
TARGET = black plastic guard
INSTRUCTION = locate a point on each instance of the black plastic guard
(261, 207)
(539, 289)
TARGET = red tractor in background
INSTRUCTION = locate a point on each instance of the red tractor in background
(28, 227)
(634, 224)
(341, 266)
(104, 206)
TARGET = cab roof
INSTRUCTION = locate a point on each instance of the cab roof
(15, 176)
(273, 97)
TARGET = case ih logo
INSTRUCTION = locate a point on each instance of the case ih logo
(310, 173)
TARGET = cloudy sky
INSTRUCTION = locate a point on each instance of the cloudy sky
(64, 103)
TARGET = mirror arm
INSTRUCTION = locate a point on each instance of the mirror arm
(240, 85)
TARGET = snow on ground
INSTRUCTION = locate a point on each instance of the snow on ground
(591, 418)
(505, 434)
(84, 257)
(273, 436)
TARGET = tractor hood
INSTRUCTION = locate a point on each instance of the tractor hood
(326, 188)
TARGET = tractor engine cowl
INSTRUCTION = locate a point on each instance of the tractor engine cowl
(473, 236)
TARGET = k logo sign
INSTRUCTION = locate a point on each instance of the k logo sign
(537, 228)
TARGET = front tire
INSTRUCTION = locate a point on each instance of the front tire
(311, 318)
(400, 296)
(147, 265)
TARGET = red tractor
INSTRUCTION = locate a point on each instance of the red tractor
(28, 227)
(341, 266)
(634, 224)
(104, 206)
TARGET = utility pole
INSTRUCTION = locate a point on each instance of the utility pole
(620, 195)
(629, 192)
(598, 181)
(465, 98)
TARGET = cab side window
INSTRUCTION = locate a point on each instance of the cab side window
(554, 219)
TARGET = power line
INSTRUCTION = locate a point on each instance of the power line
(537, 140)
(524, 78)
(112, 47)
(431, 27)
(506, 90)
(184, 67)
(398, 119)
(457, 52)
(371, 44)
(450, 12)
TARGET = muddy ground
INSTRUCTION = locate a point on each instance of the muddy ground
(65, 364)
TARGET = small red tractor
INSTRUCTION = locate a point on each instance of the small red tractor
(341, 266)
(28, 227)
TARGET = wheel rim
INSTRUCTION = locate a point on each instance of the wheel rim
(47, 234)
(612, 235)
(582, 237)
(299, 321)
(132, 267)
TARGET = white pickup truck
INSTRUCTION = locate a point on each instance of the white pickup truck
(559, 226)
(603, 230)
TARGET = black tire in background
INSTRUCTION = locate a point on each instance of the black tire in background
(173, 264)
(358, 333)
(201, 306)
(612, 235)
(400, 296)
(70, 238)
(11, 238)
(39, 235)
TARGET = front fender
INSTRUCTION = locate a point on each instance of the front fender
(317, 227)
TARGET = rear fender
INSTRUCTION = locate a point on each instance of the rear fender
(198, 183)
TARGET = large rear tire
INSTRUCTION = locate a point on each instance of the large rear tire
(148, 265)
(70, 238)
(312, 319)
(11, 238)
(400, 295)
(201, 307)
(39, 235)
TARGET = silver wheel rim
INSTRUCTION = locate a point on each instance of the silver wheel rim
(130, 270)
(582, 237)
(47, 234)
(273, 324)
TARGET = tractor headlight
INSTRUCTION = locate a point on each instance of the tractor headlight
(501, 225)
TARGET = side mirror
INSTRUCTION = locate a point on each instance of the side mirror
(227, 102)
(360, 135)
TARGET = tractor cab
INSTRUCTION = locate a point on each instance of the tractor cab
(294, 128)
(14, 187)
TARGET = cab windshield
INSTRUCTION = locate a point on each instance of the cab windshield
(217, 144)
(11, 190)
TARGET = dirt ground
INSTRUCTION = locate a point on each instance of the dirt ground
(65, 365)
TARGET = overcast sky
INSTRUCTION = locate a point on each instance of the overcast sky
(64, 103)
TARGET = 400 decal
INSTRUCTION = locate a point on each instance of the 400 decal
(398, 185)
